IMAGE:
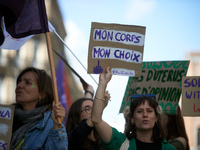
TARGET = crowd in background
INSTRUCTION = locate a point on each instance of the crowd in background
(38, 119)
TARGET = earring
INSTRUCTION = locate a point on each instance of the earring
(39, 100)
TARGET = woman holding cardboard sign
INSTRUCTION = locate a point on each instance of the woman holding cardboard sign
(144, 130)
(35, 125)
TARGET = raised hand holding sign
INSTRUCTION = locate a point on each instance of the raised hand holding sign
(118, 46)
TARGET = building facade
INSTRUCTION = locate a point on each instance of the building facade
(35, 53)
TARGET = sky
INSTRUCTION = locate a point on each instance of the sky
(172, 30)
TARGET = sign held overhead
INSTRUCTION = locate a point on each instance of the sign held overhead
(118, 46)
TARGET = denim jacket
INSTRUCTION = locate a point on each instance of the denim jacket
(43, 136)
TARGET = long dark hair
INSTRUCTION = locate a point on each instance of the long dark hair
(176, 127)
(73, 120)
(130, 131)
(44, 83)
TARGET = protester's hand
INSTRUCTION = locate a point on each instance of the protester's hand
(57, 111)
(107, 98)
(105, 77)
(84, 84)
(126, 111)
(89, 91)
(89, 88)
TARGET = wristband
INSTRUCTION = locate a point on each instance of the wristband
(89, 92)
(99, 98)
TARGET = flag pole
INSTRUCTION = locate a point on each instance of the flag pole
(52, 68)
(73, 54)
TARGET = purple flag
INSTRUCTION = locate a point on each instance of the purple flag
(23, 18)
(64, 93)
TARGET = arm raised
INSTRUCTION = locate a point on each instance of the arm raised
(100, 101)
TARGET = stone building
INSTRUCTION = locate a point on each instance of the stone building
(34, 53)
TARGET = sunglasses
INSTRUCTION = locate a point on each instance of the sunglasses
(153, 96)
(140, 95)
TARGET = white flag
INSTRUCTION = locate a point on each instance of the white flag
(15, 43)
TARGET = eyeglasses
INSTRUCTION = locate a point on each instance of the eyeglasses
(87, 109)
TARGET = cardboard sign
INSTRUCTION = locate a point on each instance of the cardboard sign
(191, 96)
(160, 78)
(118, 46)
(6, 122)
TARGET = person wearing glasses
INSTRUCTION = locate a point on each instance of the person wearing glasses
(79, 127)
(143, 130)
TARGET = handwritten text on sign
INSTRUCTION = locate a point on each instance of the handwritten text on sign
(191, 96)
(3, 145)
(160, 78)
(118, 46)
(117, 53)
(5, 113)
(130, 38)
(6, 122)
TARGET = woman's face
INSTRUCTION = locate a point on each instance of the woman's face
(86, 109)
(144, 117)
(27, 93)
